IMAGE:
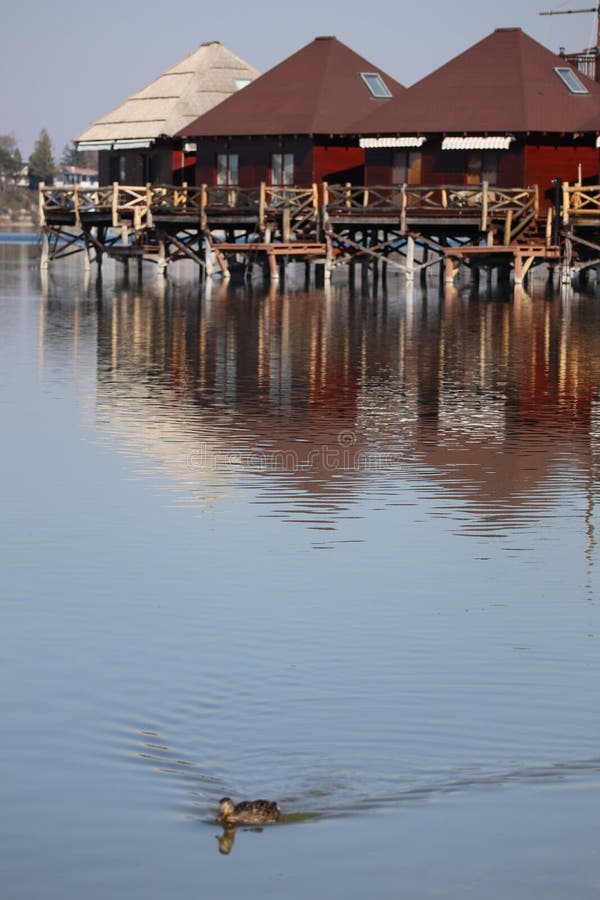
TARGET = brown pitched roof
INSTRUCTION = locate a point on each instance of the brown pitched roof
(504, 83)
(318, 90)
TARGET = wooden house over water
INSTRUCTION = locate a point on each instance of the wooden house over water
(135, 140)
(292, 125)
(506, 111)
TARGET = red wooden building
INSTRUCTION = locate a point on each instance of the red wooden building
(506, 111)
(292, 125)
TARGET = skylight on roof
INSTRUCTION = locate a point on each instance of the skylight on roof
(376, 85)
(570, 80)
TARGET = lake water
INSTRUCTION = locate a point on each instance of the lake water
(336, 550)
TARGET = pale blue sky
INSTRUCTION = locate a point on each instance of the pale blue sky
(63, 65)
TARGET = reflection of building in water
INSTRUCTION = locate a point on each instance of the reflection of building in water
(481, 400)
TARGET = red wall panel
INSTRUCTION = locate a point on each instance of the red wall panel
(546, 162)
(338, 165)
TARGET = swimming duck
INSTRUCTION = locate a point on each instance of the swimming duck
(249, 812)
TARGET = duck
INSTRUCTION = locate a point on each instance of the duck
(248, 812)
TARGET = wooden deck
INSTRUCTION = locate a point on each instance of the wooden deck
(410, 227)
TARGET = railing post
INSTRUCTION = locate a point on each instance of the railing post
(508, 227)
(403, 206)
(325, 205)
(115, 204)
(149, 219)
(484, 205)
(348, 194)
(549, 218)
(566, 204)
(536, 200)
(285, 224)
(262, 202)
(203, 205)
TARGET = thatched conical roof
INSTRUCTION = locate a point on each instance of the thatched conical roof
(185, 91)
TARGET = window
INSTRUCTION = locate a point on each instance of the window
(118, 168)
(407, 166)
(482, 165)
(227, 169)
(570, 80)
(376, 85)
(241, 83)
(282, 168)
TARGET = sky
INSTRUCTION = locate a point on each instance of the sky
(64, 65)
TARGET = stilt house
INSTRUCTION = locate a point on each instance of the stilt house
(292, 125)
(135, 140)
(506, 111)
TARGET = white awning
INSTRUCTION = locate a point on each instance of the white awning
(133, 144)
(396, 142)
(94, 145)
(494, 142)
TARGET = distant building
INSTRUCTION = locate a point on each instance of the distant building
(71, 175)
(20, 178)
(294, 124)
(506, 111)
(135, 140)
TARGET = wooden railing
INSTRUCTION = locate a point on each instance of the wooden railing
(515, 206)
(580, 202)
(297, 209)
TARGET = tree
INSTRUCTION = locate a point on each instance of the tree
(11, 162)
(41, 162)
(72, 156)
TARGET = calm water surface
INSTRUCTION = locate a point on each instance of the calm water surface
(330, 549)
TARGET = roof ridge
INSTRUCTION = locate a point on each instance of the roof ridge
(323, 79)
(522, 100)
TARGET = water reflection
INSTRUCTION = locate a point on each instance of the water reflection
(319, 399)
(226, 840)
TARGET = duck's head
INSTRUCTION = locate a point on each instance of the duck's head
(226, 809)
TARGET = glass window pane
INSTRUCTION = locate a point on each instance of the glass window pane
(570, 79)
(489, 166)
(276, 164)
(233, 168)
(288, 173)
(376, 84)
(222, 168)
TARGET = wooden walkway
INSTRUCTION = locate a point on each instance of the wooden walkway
(403, 226)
